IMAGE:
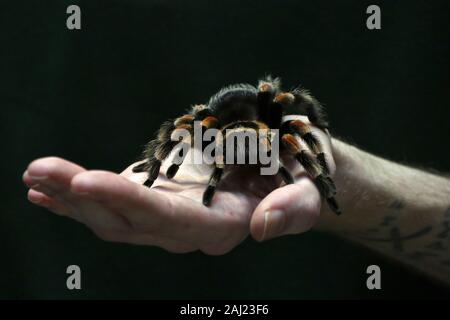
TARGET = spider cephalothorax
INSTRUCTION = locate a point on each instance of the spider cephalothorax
(244, 106)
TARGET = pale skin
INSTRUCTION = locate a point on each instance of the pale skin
(399, 211)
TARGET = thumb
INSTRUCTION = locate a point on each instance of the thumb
(291, 209)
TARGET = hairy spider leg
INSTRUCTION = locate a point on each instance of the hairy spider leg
(210, 190)
(323, 183)
(183, 122)
(156, 151)
(285, 175)
(301, 129)
(207, 123)
(216, 175)
(159, 149)
(267, 89)
(182, 152)
(312, 107)
(151, 165)
(282, 171)
(218, 170)
(163, 135)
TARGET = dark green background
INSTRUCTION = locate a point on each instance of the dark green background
(95, 96)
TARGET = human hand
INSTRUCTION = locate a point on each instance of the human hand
(170, 214)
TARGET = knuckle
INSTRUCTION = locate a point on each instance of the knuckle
(50, 160)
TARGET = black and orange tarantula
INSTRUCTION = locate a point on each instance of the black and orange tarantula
(247, 107)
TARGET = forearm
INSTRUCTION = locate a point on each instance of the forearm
(397, 210)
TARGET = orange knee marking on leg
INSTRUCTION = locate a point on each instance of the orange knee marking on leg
(300, 126)
(285, 98)
(210, 122)
(265, 145)
(261, 125)
(175, 134)
(291, 143)
(265, 86)
(198, 107)
(185, 126)
(187, 118)
(264, 132)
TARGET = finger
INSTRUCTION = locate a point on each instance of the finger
(35, 184)
(145, 239)
(27, 180)
(151, 211)
(52, 176)
(291, 209)
(53, 170)
(95, 220)
(43, 200)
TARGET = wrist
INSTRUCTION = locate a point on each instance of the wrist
(353, 181)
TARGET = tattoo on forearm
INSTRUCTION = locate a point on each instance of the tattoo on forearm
(436, 246)
(444, 234)
(397, 205)
(387, 221)
(397, 238)
(435, 252)
(447, 213)
(421, 255)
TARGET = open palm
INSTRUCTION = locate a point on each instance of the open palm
(117, 207)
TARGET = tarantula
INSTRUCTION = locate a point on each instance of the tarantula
(244, 106)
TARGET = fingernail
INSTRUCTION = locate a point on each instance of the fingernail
(35, 200)
(37, 177)
(273, 224)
